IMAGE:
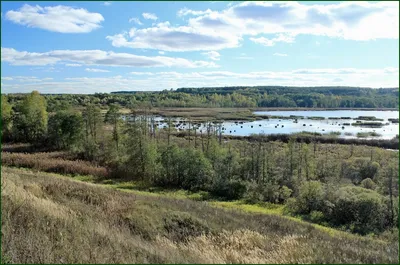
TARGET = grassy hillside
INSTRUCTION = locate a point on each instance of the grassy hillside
(47, 218)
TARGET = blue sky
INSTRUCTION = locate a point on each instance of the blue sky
(88, 47)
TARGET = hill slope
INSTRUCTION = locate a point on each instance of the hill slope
(47, 218)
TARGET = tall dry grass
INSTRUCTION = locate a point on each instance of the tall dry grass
(52, 162)
(50, 219)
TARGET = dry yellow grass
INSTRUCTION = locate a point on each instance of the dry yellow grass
(57, 162)
(47, 218)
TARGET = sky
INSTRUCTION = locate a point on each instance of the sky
(97, 47)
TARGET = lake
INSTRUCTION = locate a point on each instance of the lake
(288, 126)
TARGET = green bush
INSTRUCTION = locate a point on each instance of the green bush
(228, 189)
(317, 217)
(180, 226)
(368, 184)
(359, 209)
(284, 193)
(311, 197)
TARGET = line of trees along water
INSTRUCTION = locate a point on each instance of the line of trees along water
(304, 97)
(354, 188)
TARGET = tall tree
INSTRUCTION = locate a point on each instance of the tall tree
(93, 120)
(6, 117)
(65, 129)
(113, 117)
(31, 118)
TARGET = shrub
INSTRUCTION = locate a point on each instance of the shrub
(227, 189)
(368, 184)
(180, 226)
(317, 217)
(254, 193)
(284, 193)
(310, 198)
(361, 210)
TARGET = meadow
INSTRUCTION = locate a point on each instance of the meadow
(49, 218)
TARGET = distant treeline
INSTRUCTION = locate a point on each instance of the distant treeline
(262, 96)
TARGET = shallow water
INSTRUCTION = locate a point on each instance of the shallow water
(287, 126)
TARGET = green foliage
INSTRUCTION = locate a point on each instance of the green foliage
(361, 210)
(196, 170)
(142, 156)
(317, 217)
(113, 117)
(93, 121)
(310, 198)
(65, 130)
(368, 184)
(30, 119)
(6, 117)
(228, 189)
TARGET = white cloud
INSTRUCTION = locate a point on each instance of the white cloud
(280, 54)
(185, 12)
(161, 52)
(212, 55)
(94, 70)
(387, 77)
(283, 21)
(135, 20)
(96, 57)
(73, 65)
(107, 3)
(164, 37)
(63, 19)
(272, 42)
(26, 79)
(149, 16)
(141, 73)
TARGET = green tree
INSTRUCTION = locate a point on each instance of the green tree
(6, 117)
(361, 210)
(93, 122)
(30, 120)
(65, 130)
(113, 117)
(311, 196)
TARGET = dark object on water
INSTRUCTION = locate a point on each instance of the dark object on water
(323, 130)
(251, 126)
(304, 124)
(282, 126)
(342, 127)
(241, 126)
(259, 125)
(310, 124)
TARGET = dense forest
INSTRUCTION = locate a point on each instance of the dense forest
(302, 97)
(353, 188)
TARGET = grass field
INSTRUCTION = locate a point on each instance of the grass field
(48, 218)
